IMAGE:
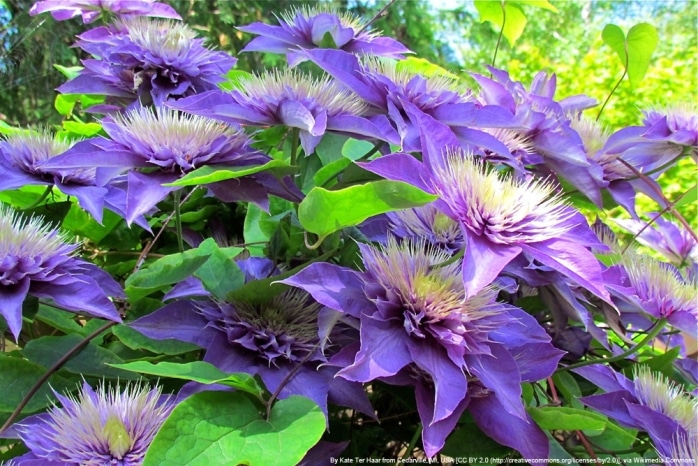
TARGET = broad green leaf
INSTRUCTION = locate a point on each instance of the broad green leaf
(234, 78)
(220, 274)
(469, 440)
(82, 224)
(330, 148)
(503, 15)
(137, 341)
(213, 173)
(323, 212)
(614, 438)
(563, 418)
(330, 171)
(635, 51)
(18, 377)
(226, 428)
(545, 4)
(690, 197)
(567, 385)
(64, 103)
(197, 371)
(53, 213)
(7, 129)
(169, 269)
(354, 149)
(423, 67)
(69, 72)
(91, 360)
(83, 129)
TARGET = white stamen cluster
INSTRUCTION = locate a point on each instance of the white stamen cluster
(346, 19)
(29, 149)
(660, 283)
(679, 116)
(425, 222)
(515, 141)
(168, 134)
(413, 273)
(593, 134)
(276, 86)
(503, 209)
(164, 38)
(664, 396)
(435, 83)
(30, 237)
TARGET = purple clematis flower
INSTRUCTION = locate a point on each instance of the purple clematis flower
(655, 288)
(172, 143)
(95, 428)
(90, 10)
(390, 89)
(665, 237)
(649, 402)
(311, 28)
(21, 158)
(676, 125)
(419, 327)
(545, 138)
(283, 339)
(35, 260)
(312, 106)
(500, 216)
(143, 61)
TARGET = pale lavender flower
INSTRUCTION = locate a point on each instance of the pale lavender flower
(318, 27)
(96, 428)
(143, 61)
(294, 99)
(674, 124)
(173, 144)
(429, 223)
(22, 155)
(420, 328)
(36, 260)
(90, 10)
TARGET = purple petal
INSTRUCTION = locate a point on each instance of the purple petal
(336, 287)
(613, 404)
(145, 191)
(400, 167)
(11, 299)
(434, 433)
(605, 378)
(660, 427)
(179, 320)
(479, 251)
(522, 435)
(84, 295)
(91, 198)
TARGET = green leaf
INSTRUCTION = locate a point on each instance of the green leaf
(495, 13)
(354, 149)
(330, 148)
(64, 103)
(614, 438)
(323, 212)
(69, 72)
(91, 360)
(423, 67)
(213, 173)
(690, 197)
(197, 371)
(330, 171)
(18, 377)
(234, 79)
(220, 274)
(545, 4)
(137, 341)
(165, 271)
(83, 129)
(563, 418)
(226, 428)
(567, 385)
(7, 129)
(635, 51)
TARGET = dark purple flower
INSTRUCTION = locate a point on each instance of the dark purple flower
(35, 260)
(170, 142)
(390, 89)
(297, 100)
(139, 61)
(500, 216)
(419, 327)
(21, 157)
(275, 337)
(310, 28)
(90, 10)
(96, 428)
(649, 402)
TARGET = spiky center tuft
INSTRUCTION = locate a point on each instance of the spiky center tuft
(503, 209)
(29, 237)
(681, 116)
(324, 93)
(174, 139)
(412, 274)
(296, 17)
(27, 150)
(166, 39)
(592, 133)
(663, 395)
(427, 222)
(660, 283)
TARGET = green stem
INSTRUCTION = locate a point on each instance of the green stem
(295, 137)
(658, 326)
(178, 220)
(43, 196)
(456, 257)
(410, 447)
(501, 33)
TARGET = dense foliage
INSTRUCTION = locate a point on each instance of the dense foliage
(317, 243)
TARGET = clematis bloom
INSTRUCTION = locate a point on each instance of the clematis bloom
(90, 10)
(36, 261)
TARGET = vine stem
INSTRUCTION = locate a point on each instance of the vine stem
(43, 196)
(658, 326)
(670, 205)
(499, 38)
(376, 16)
(288, 377)
(178, 220)
(149, 246)
(625, 71)
(51, 370)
